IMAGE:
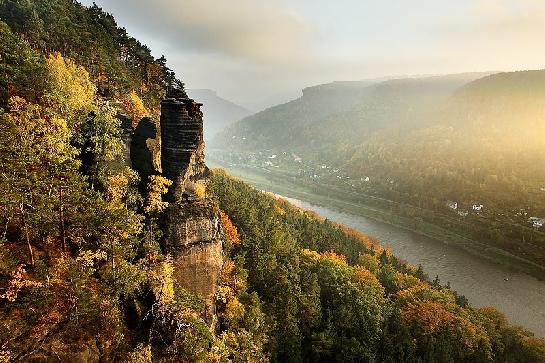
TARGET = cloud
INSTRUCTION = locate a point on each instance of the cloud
(257, 31)
(250, 49)
(524, 18)
(493, 35)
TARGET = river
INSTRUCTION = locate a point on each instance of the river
(519, 296)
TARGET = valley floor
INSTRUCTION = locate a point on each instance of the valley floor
(360, 205)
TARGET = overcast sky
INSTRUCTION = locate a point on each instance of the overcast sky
(254, 51)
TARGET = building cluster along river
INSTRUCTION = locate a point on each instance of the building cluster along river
(519, 296)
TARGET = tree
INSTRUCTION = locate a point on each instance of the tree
(21, 69)
(68, 89)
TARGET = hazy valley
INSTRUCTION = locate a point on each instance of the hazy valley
(414, 232)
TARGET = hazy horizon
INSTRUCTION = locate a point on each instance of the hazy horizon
(257, 53)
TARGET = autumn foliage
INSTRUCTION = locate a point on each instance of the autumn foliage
(335, 295)
(231, 232)
(135, 108)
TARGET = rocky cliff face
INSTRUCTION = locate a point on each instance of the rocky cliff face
(192, 230)
(182, 145)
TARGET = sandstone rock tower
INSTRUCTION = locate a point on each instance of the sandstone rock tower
(192, 228)
(182, 144)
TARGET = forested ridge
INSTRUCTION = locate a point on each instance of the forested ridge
(84, 274)
(332, 294)
(463, 154)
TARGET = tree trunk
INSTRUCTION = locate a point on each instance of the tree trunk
(61, 222)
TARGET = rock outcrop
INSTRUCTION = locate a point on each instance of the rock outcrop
(182, 145)
(141, 150)
(192, 229)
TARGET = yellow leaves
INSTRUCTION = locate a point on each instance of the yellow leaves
(361, 274)
(231, 233)
(230, 276)
(200, 189)
(5, 355)
(370, 262)
(133, 105)
(310, 255)
(141, 354)
(229, 307)
(41, 136)
(230, 284)
(88, 259)
(333, 256)
(118, 185)
(16, 103)
(224, 293)
(157, 186)
(143, 87)
(234, 310)
(163, 288)
(493, 315)
(313, 256)
(153, 71)
(68, 86)
(404, 281)
(279, 210)
(19, 280)
(422, 291)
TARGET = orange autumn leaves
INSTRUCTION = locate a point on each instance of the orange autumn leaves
(231, 232)
(433, 320)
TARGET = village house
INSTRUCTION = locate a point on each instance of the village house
(537, 222)
(477, 207)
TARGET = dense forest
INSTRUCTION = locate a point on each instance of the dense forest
(84, 276)
(331, 294)
(463, 153)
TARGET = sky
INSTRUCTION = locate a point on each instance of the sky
(261, 52)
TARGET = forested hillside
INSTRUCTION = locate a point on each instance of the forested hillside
(464, 155)
(119, 65)
(85, 272)
(80, 262)
(334, 116)
(331, 294)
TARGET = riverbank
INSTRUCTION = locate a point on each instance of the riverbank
(291, 188)
(519, 296)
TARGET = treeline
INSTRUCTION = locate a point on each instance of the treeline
(331, 294)
(117, 63)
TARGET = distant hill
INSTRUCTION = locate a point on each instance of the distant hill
(336, 114)
(218, 112)
(470, 138)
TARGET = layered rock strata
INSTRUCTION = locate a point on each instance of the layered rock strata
(192, 229)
